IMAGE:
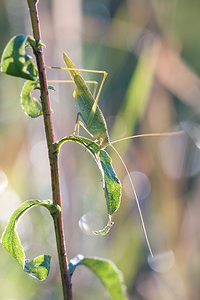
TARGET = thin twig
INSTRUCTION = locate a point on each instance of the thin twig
(53, 156)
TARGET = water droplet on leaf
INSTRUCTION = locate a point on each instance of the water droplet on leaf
(90, 222)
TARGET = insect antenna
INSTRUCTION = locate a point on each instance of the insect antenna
(136, 198)
(148, 135)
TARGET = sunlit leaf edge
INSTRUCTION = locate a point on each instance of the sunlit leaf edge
(15, 61)
(11, 242)
(106, 271)
(111, 184)
(31, 106)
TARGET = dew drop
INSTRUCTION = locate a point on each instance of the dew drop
(90, 222)
(162, 262)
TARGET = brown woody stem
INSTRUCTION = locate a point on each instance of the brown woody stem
(53, 155)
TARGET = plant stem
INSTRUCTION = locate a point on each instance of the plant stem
(53, 155)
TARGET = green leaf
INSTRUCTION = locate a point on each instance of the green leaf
(106, 229)
(111, 184)
(107, 272)
(39, 267)
(31, 106)
(15, 61)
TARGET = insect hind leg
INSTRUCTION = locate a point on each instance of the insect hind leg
(94, 107)
(86, 81)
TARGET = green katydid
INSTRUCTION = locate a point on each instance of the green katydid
(93, 120)
(89, 111)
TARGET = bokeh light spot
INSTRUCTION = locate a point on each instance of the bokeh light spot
(162, 262)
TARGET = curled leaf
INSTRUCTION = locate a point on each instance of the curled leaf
(106, 271)
(38, 267)
(111, 184)
(31, 106)
(106, 229)
(15, 61)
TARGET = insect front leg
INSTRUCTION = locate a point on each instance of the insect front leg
(76, 127)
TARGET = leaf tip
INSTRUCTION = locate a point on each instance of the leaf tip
(39, 267)
(106, 229)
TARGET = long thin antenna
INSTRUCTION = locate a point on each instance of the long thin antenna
(149, 135)
(137, 200)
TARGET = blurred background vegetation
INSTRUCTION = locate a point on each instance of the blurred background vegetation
(150, 49)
